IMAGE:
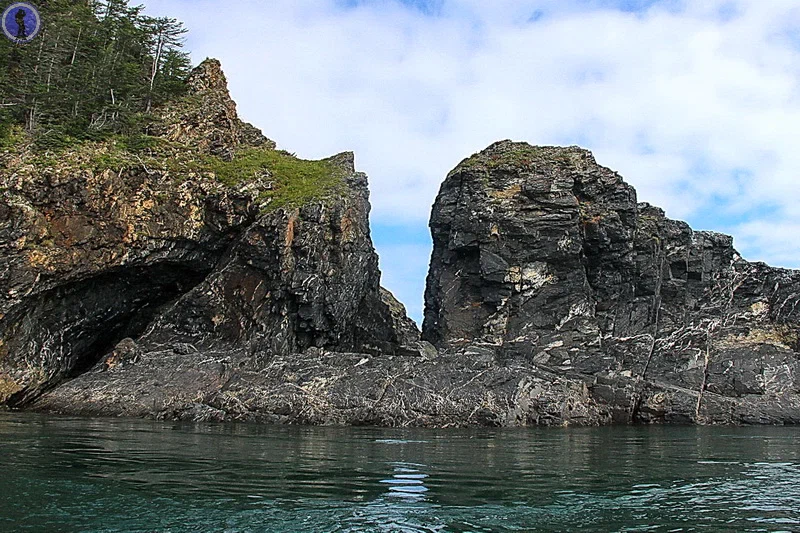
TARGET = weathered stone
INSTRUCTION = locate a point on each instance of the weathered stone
(407, 330)
(319, 387)
(544, 255)
(185, 261)
(553, 297)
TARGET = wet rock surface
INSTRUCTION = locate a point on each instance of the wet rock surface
(542, 255)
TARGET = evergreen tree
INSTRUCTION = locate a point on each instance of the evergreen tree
(94, 66)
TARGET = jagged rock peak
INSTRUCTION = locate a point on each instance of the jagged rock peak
(513, 216)
(206, 118)
(407, 330)
(345, 161)
(541, 254)
(208, 76)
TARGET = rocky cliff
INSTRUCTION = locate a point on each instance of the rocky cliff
(205, 244)
(193, 271)
(541, 255)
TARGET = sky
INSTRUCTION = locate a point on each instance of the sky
(696, 103)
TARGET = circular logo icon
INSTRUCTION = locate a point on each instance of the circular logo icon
(21, 22)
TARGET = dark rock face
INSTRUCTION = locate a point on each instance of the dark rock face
(406, 328)
(553, 298)
(89, 259)
(294, 279)
(321, 387)
(544, 256)
(116, 270)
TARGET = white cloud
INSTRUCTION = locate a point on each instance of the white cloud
(682, 102)
(767, 239)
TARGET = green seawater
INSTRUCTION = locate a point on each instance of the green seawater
(72, 474)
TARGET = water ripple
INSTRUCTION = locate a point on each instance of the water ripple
(115, 475)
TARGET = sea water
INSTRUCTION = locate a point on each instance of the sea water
(74, 474)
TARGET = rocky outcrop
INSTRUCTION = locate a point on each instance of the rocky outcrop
(198, 273)
(113, 261)
(544, 256)
(322, 387)
(207, 118)
(407, 330)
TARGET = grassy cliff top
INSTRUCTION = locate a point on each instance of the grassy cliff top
(281, 179)
(509, 155)
(197, 135)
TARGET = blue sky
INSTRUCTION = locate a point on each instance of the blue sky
(696, 103)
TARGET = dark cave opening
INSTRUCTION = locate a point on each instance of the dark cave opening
(69, 329)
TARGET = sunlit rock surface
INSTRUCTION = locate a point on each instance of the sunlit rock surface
(198, 273)
(541, 255)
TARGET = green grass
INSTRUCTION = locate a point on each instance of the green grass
(521, 156)
(138, 142)
(295, 181)
(10, 135)
(54, 140)
(113, 160)
(292, 181)
(111, 153)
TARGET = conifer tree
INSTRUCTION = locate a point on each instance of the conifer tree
(94, 66)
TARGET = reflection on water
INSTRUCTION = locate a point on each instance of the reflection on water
(407, 481)
(68, 474)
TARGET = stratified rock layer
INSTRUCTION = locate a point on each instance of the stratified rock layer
(542, 255)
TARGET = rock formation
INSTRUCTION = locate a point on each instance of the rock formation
(174, 260)
(198, 273)
(542, 255)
